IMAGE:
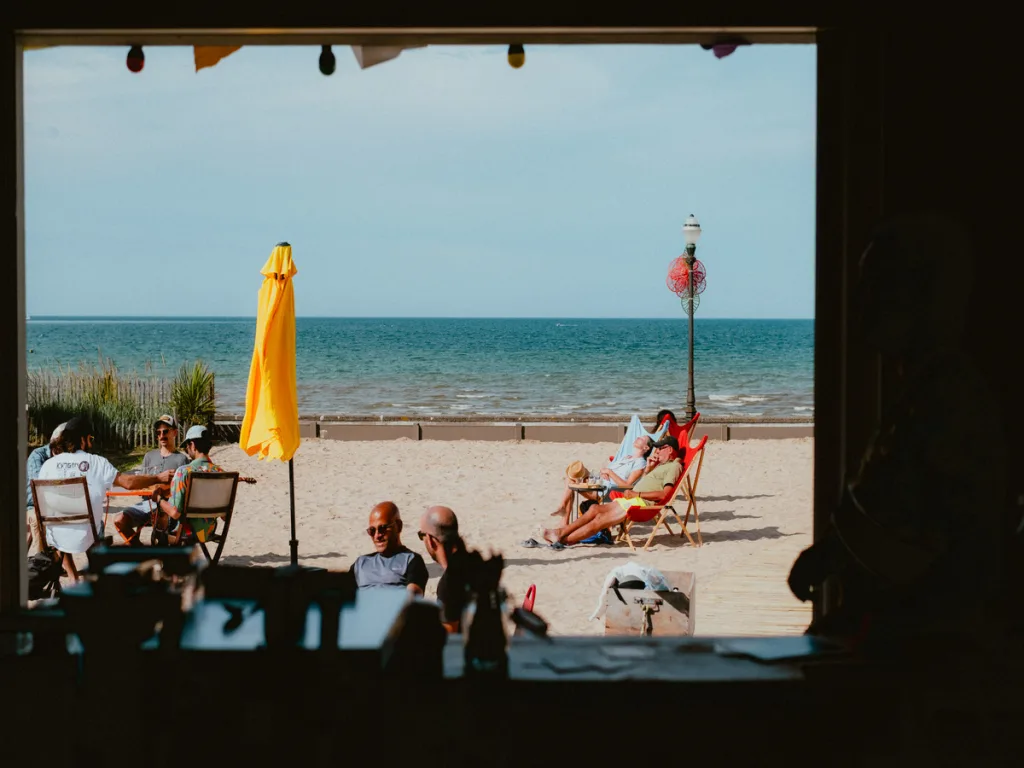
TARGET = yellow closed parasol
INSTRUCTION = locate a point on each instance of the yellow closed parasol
(270, 429)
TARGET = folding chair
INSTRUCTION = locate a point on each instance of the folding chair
(531, 595)
(60, 503)
(660, 511)
(209, 495)
(681, 432)
(690, 488)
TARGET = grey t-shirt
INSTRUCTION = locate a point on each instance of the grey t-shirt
(399, 570)
(154, 463)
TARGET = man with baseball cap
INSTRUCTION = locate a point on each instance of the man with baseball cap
(165, 457)
(197, 446)
(662, 473)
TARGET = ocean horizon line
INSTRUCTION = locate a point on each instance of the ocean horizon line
(185, 319)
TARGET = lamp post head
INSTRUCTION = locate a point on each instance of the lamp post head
(691, 233)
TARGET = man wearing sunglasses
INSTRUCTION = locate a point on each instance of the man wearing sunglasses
(164, 458)
(392, 565)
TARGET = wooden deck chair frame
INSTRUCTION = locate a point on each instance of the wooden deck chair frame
(647, 514)
(223, 512)
(690, 491)
(42, 520)
(661, 511)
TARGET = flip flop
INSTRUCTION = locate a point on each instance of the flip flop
(534, 544)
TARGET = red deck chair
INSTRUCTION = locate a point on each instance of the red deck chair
(660, 511)
(531, 595)
(681, 432)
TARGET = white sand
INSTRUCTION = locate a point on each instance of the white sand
(754, 497)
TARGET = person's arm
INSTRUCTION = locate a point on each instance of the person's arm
(670, 483)
(648, 495)
(135, 482)
(629, 481)
(417, 576)
(169, 501)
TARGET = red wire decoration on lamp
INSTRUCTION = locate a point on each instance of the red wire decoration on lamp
(678, 280)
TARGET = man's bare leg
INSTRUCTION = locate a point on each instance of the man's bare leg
(595, 520)
(71, 569)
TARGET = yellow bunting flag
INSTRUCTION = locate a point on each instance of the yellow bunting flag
(208, 55)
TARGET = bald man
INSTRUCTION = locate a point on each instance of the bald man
(392, 565)
(439, 532)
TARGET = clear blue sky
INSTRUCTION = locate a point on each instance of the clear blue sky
(443, 183)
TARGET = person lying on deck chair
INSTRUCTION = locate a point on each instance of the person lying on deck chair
(618, 474)
(648, 491)
(197, 447)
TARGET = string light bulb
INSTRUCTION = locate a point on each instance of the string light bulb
(516, 55)
(327, 60)
(136, 59)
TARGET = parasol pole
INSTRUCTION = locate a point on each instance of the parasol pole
(291, 499)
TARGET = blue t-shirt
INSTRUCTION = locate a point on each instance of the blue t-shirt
(399, 570)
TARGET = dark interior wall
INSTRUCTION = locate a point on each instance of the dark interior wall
(951, 144)
(913, 122)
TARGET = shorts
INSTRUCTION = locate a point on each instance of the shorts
(139, 514)
(626, 504)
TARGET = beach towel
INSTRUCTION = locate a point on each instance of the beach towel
(633, 431)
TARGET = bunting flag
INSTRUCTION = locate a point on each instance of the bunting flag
(369, 55)
(208, 55)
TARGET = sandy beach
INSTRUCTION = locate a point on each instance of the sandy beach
(754, 497)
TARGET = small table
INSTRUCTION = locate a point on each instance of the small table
(581, 488)
(144, 493)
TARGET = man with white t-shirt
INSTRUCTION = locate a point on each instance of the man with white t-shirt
(99, 474)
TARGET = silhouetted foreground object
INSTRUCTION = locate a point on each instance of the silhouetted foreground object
(483, 628)
(913, 536)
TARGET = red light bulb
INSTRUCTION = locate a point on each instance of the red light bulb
(136, 59)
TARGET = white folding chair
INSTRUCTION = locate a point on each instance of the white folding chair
(210, 495)
(66, 504)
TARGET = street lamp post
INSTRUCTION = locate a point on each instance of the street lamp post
(691, 234)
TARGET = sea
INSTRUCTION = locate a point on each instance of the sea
(437, 367)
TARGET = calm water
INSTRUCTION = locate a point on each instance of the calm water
(438, 367)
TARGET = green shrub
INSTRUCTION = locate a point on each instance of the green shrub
(192, 396)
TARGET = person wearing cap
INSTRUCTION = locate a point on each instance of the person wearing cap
(164, 457)
(74, 460)
(197, 447)
(649, 490)
(36, 459)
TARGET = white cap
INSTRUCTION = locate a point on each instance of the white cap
(195, 431)
(58, 432)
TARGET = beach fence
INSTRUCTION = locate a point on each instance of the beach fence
(122, 406)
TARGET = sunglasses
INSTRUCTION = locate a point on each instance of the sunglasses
(164, 431)
(382, 529)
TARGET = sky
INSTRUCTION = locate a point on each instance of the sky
(443, 183)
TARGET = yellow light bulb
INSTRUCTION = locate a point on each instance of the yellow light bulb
(516, 56)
